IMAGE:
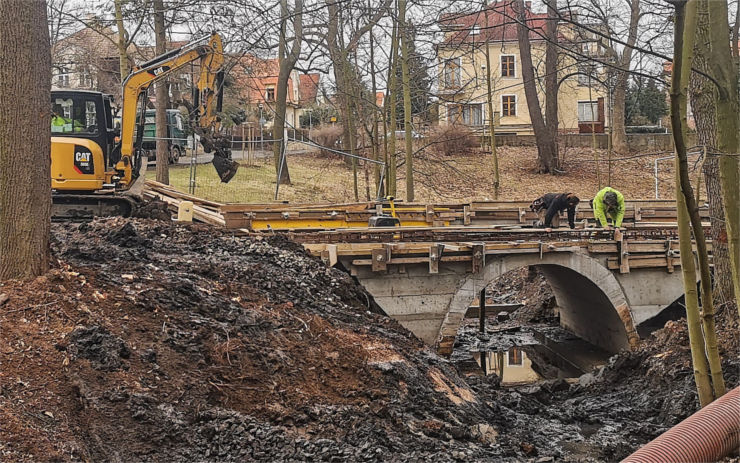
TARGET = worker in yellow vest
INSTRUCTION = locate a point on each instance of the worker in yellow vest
(609, 203)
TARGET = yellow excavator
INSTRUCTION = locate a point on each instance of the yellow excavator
(97, 169)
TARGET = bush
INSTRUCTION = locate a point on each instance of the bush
(451, 139)
(646, 129)
(327, 135)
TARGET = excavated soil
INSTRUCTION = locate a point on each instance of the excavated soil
(149, 341)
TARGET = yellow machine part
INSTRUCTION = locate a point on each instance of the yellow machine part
(77, 164)
(297, 224)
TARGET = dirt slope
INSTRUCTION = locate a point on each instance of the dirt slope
(156, 342)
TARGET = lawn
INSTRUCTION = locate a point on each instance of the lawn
(461, 178)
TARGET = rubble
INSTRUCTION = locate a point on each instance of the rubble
(151, 341)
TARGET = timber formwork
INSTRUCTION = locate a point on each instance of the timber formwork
(502, 214)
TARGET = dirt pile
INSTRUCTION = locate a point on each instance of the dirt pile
(155, 342)
(609, 413)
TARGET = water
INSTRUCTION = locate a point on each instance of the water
(569, 357)
(513, 366)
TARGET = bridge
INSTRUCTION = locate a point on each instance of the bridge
(606, 284)
(427, 273)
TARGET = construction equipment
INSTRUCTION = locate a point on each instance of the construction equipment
(385, 220)
(97, 169)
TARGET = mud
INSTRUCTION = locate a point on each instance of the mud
(150, 341)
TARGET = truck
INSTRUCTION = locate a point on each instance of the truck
(176, 134)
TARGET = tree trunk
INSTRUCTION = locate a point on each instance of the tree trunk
(682, 61)
(491, 117)
(546, 149)
(551, 79)
(406, 100)
(374, 132)
(25, 139)
(725, 72)
(703, 95)
(286, 63)
(391, 100)
(619, 134)
(163, 151)
(121, 43)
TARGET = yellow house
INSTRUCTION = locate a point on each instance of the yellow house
(462, 86)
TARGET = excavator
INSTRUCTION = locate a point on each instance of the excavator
(97, 170)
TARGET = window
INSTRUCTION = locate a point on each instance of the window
(475, 30)
(508, 66)
(588, 111)
(62, 77)
(453, 114)
(516, 356)
(86, 78)
(270, 94)
(74, 115)
(468, 114)
(472, 114)
(584, 71)
(508, 105)
(452, 73)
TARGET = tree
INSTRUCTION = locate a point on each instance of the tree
(623, 62)
(160, 40)
(724, 69)
(405, 79)
(420, 83)
(547, 154)
(286, 60)
(491, 120)
(645, 104)
(703, 342)
(25, 139)
(703, 96)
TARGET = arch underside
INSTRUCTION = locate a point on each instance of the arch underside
(592, 303)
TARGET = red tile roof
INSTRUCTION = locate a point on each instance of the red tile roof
(496, 22)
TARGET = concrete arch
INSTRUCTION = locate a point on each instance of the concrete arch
(593, 303)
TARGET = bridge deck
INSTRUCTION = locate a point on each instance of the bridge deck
(355, 215)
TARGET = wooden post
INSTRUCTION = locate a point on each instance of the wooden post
(622, 252)
(478, 256)
(244, 141)
(482, 311)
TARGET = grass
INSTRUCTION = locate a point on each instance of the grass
(462, 178)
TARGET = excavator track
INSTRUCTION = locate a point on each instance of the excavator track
(75, 207)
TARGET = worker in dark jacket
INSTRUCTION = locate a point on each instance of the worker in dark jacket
(552, 204)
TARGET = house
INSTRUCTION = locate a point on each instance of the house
(88, 59)
(255, 80)
(462, 83)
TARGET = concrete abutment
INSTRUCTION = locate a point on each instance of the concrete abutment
(597, 304)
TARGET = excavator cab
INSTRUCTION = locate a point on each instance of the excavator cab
(84, 146)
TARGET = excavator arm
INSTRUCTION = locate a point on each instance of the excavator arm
(209, 50)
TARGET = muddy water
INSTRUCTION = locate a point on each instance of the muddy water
(513, 366)
(520, 355)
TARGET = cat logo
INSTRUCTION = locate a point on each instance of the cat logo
(82, 157)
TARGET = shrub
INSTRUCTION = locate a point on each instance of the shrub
(327, 135)
(451, 139)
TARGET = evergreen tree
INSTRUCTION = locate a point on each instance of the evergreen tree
(645, 103)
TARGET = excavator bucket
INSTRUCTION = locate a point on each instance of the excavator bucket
(225, 167)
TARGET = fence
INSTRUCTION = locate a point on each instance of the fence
(636, 141)
(316, 178)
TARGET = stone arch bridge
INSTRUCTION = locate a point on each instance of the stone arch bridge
(606, 284)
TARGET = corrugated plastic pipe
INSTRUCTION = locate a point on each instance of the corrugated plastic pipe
(708, 435)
